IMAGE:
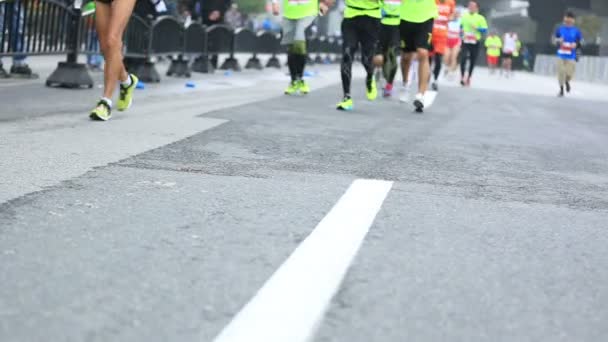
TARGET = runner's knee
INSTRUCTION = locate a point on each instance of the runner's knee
(111, 43)
(347, 54)
(378, 60)
(298, 47)
(423, 54)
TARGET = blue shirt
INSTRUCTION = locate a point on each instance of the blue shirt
(570, 36)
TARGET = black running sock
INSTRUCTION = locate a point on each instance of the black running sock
(292, 65)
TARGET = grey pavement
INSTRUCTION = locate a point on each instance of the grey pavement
(160, 225)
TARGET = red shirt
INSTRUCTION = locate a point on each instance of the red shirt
(446, 10)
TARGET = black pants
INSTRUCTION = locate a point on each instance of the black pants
(388, 47)
(360, 30)
(469, 52)
(436, 61)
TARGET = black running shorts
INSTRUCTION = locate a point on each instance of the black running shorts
(416, 36)
(361, 30)
(389, 38)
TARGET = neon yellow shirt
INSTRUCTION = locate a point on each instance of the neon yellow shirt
(392, 12)
(297, 9)
(418, 11)
(493, 44)
(471, 23)
(355, 8)
(516, 52)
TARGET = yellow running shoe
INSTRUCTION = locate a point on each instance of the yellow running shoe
(292, 88)
(303, 87)
(126, 94)
(372, 89)
(102, 112)
(346, 104)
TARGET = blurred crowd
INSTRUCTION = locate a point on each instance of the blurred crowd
(208, 12)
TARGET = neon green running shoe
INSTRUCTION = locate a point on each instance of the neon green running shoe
(126, 94)
(292, 88)
(303, 87)
(102, 112)
(372, 89)
(346, 104)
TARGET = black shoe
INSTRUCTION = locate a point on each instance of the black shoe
(568, 87)
(22, 71)
(435, 86)
(3, 73)
(561, 92)
(419, 106)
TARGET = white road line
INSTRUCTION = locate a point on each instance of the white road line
(290, 306)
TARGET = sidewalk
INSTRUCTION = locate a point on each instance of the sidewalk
(17, 96)
(528, 83)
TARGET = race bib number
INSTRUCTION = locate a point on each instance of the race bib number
(298, 2)
(440, 27)
(470, 38)
(566, 48)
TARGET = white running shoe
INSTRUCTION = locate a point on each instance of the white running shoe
(404, 93)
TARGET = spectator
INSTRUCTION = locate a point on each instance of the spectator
(248, 22)
(267, 24)
(19, 67)
(210, 12)
(151, 9)
(233, 17)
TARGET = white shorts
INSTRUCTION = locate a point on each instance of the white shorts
(295, 29)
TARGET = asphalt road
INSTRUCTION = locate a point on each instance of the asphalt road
(162, 224)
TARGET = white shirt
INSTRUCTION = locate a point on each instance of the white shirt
(509, 43)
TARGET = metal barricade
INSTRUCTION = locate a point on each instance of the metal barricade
(220, 39)
(138, 49)
(246, 41)
(44, 27)
(270, 43)
(34, 28)
(168, 40)
(196, 44)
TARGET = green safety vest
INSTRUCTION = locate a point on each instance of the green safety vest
(297, 9)
(392, 12)
(355, 8)
(468, 20)
(493, 44)
(419, 11)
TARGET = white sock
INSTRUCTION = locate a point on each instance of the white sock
(108, 101)
(127, 83)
